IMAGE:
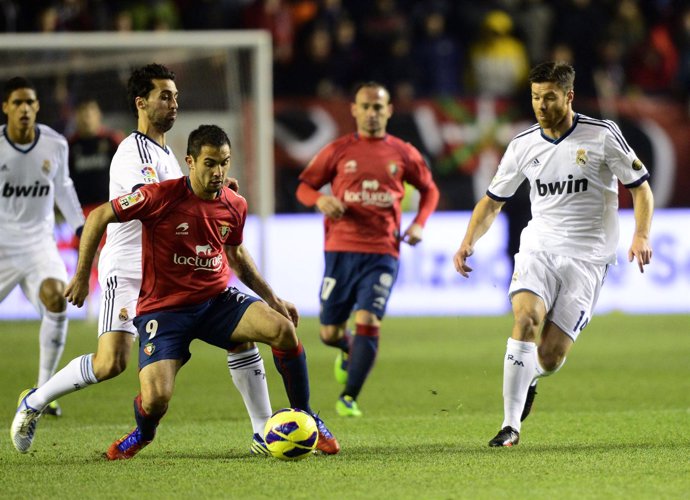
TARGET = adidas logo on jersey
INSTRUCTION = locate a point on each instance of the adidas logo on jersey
(37, 190)
(572, 185)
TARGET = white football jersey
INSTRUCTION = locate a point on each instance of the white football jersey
(138, 160)
(573, 187)
(33, 179)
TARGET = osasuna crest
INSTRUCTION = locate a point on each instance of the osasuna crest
(581, 157)
(350, 167)
(224, 231)
(393, 168)
(149, 348)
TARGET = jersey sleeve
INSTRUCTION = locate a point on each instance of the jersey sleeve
(508, 177)
(144, 203)
(621, 158)
(240, 205)
(321, 169)
(418, 174)
(132, 168)
(65, 194)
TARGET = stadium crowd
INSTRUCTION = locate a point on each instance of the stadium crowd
(418, 48)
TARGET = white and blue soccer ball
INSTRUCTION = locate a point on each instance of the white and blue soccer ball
(291, 434)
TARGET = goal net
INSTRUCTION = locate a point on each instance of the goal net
(223, 78)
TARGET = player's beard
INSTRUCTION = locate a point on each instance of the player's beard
(164, 124)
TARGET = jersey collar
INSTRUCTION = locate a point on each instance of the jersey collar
(164, 148)
(567, 133)
(23, 150)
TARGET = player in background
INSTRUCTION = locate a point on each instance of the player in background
(91, 148)
(142, 158)
(34, 177)
(184, 292)
(573, 164)
(366, 171)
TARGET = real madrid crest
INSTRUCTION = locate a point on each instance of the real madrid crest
(123, 316)
(46, 167)
(581, 157)
(637, 164)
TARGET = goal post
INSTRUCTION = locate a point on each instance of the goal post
(224, 78)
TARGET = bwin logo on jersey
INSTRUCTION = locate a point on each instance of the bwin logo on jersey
(35, 191)
(572, 185)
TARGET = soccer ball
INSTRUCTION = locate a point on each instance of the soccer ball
(291, 434)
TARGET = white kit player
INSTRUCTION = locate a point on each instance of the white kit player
(142, 158)
(573, 164)
(34, 177)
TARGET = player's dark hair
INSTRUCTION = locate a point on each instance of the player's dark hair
(371, 84)
(18, 82)
(558, 72)
(206, 135)
(141, 82)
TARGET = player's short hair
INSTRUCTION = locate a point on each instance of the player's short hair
(558, 72)
(206, 135)
(371, 84)
(140, 82)
(18, 82)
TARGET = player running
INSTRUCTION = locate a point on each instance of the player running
(367, 172)
(573, 164)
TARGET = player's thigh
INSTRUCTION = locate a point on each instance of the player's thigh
(41, 263)
(338, 288)
(118, 304)
(535, 273)
(260, 323)
(581, 283)
(113, 353)
(12, 272)
(167, 335)
(375, 283)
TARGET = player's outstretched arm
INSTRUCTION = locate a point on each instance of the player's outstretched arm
(242, 264)
(643, 203)
(483, 215)
(97, 221)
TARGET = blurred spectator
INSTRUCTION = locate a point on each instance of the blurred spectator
(581, 24)
(654, 63)
(438, 58)
(498, 63)
(91, 147)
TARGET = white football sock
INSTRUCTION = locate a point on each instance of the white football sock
(76, 375)
(248, 375)
(519, 370)
(51, 339)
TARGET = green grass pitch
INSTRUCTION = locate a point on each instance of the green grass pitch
(613, 423)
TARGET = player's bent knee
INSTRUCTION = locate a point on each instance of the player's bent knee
(107, 367)
(286, 336)
(329, 335)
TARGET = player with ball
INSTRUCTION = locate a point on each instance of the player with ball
(184, 293)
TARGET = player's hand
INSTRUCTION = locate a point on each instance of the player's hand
(460, 260)
(77, 290)
(232, 183)
(287, 309)
(640, 250)
(413, 234)
(331, 206)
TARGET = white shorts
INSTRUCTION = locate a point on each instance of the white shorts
(118, 304)
(569, 287)
(29, 269)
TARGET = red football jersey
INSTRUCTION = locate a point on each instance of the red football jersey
(183, 259)
(367, 175)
